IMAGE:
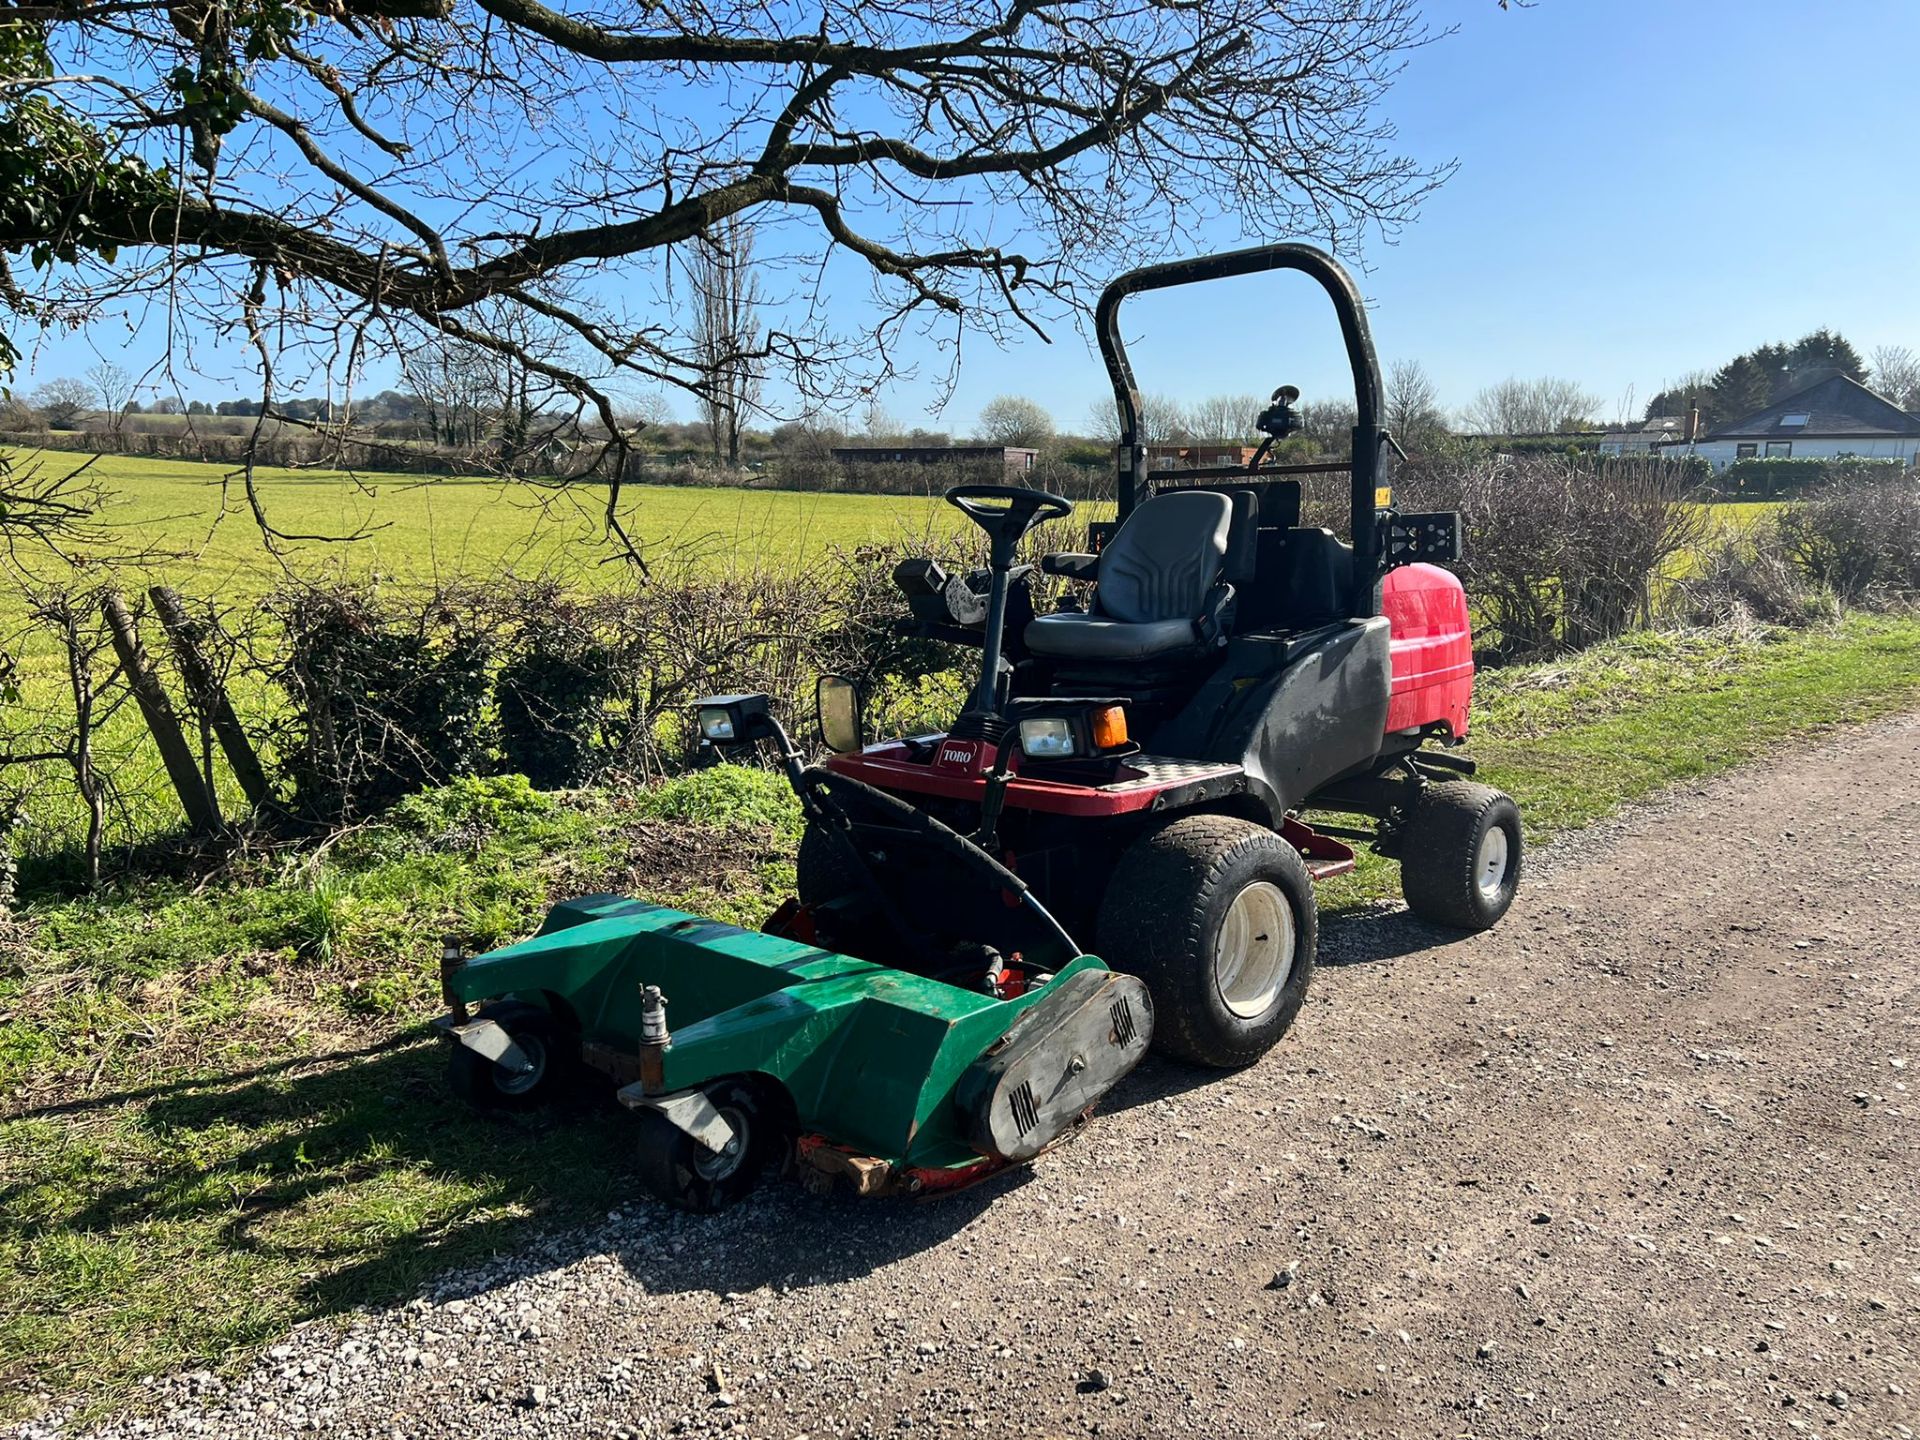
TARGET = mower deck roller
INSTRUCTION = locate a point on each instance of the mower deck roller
(913, 1084)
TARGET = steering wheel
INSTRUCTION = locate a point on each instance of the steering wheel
(1024, 508)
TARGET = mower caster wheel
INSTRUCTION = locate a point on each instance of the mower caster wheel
(1217, 915)
(1460, 855)
(679, 1171)
(548, 1056)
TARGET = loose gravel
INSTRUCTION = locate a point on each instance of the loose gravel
(1642, 1161)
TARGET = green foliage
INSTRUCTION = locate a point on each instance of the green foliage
(58, 172)
(916, 705)
(1779, 477)
(322, 918)
(551, 696)
(725, 797)
(381, 707)
(1762, 375)
(489, 804)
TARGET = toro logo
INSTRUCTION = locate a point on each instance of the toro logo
(962, 755)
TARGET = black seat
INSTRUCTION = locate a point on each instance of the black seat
(1161, 585)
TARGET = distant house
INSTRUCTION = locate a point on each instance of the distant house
(1644, 439)
(1194, 457)
(1832, 418)
(1013, 459)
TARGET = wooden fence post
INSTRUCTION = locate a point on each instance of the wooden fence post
(203, 683)
(202, 811)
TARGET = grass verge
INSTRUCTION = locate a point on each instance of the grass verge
(222, 1118)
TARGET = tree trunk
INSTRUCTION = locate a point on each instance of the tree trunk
(210, 696)
(202, 812)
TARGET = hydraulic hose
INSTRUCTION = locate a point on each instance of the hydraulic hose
(944, 838)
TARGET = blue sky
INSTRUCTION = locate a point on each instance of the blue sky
(1643, 188)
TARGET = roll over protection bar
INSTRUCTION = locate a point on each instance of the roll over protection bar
(1352, 315)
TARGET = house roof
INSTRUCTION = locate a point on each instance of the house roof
(1836, 408)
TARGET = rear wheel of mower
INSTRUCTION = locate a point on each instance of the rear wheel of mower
(679, 1171)
(1460, 855)
(550, 1054)
(1217, 916)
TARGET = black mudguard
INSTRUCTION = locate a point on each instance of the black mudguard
(1294, 712)
(1053, 1063)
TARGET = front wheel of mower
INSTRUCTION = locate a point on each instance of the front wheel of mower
(822, 871)
(1460, 855)
(549, 1053)
(1217, 916)
(679, 1171)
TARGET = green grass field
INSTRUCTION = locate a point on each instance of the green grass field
(426, 528)
(419, 529)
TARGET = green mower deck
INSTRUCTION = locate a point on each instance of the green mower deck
(885, 1077)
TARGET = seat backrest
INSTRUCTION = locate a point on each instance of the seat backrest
(1164, 560)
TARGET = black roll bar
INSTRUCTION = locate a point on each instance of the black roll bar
(1350, 311)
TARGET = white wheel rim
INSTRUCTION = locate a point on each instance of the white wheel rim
(711, 1166)
(1253, 955)
(519, 1082)
(1490, 865)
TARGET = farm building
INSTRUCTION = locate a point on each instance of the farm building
(1833, 418)
(1014, 459)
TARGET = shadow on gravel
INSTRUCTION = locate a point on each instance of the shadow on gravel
(1359, 937)
(789, 1238)
(1364, 937)
(1156, 1079)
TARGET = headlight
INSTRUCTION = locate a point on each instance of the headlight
(733, 719)
(1048, 738)
(1098, 729)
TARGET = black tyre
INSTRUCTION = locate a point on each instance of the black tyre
(551, 1060)
(1217, 916)
(1460, 854)
(679, 1171)
(822, 871)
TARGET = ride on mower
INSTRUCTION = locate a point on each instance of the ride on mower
(1138, 769)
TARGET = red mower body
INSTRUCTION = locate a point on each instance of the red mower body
(1431, 649)
(1426, 607)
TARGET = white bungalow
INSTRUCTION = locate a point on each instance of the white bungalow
(1834, 417)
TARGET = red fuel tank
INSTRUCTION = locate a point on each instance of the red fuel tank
(1426, 608)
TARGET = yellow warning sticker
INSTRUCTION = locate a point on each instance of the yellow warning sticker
(1382, 497)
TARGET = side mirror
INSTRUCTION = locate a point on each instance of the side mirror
(836, 706)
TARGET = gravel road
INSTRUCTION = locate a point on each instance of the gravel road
(1642, 1161)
